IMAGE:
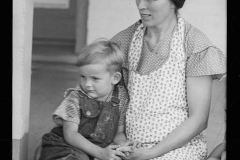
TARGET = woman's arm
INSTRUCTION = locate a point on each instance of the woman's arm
(72, 137)
(199, 98)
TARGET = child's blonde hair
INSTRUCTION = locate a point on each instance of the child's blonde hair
(102, 51)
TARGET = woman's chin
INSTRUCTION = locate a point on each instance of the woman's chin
(146, 24)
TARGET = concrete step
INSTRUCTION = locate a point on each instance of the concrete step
(54, 53)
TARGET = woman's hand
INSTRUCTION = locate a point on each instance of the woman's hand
(111, 153)
(136, 144)
(133, 144)
(137, 154)
(128, 146)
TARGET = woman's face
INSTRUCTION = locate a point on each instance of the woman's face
(155, 12)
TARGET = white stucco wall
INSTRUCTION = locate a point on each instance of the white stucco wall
(22, 58)
(210, 17)
(108, 17)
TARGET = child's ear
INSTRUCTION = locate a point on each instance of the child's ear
(116, 77)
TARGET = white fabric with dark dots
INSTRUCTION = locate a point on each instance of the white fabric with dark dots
(158, 84)
(158, 102)
(202, 57)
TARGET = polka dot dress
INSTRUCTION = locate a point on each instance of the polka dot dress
(158, 102)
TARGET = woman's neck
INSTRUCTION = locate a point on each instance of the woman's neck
(159, 32)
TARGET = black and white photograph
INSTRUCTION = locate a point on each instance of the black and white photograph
(119, 80)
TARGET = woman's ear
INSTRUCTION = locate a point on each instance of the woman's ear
(116, 77)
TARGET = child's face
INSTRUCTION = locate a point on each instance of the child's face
(96, 81)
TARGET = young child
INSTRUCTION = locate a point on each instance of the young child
(219, 152)
(92, 115)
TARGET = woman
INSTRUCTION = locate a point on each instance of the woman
(170, 66)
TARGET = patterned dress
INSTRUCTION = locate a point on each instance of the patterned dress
(156, 82)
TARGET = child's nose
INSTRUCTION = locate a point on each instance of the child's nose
(88, 83)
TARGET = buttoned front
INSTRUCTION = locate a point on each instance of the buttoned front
(99, 120)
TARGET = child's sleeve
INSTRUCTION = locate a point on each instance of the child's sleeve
(68, 110)
(124, 98)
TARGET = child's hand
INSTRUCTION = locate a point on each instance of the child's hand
(223, 156)
(134, 144)
(128, 147)
(139, 154)
(110, 153)
(126, 150)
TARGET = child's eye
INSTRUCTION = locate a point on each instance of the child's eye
(95, 78)
(82, 76)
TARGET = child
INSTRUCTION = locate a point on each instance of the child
(219, 152)
(92, 115)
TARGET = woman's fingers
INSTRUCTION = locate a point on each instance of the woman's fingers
(125, 149)
(136, 145)
(113, 146)
(118, 154)
(129, 143)
(121, 154)
(139, 144)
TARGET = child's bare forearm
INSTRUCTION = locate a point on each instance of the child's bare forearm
(80, 142)
(120, 135)
(72, 137)
(120, 138)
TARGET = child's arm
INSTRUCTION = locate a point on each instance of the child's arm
(72, 137)
(120, 139)
(217, 152)
(223, 156)
(120, 136)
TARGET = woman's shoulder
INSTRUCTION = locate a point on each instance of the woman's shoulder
(123, 37)
(127, 31)
(192, 34)
(203, 58)
(195, 40)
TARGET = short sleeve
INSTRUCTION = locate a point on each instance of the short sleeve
(68, 110)
(123, 96)
(203, 58)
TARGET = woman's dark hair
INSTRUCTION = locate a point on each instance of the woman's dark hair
(178, 4)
